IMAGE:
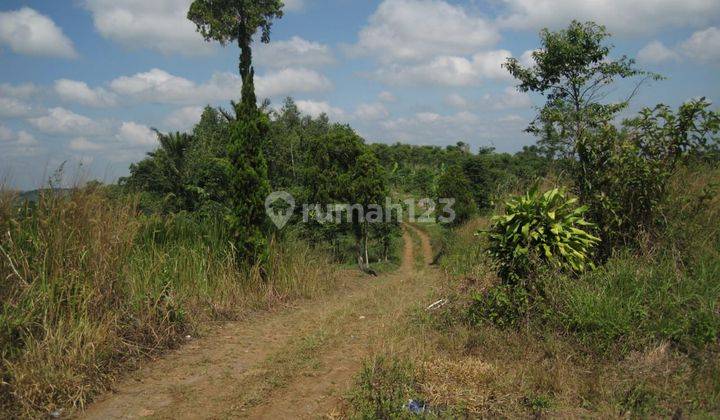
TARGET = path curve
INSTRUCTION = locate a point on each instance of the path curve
(298, 363)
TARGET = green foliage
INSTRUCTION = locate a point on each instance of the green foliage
(541, 227)
(573, 70)
(625, 174)
(248, 187)
(453, 184)
(503, 305)
(634, 302)
(226, 21)
(383, 389)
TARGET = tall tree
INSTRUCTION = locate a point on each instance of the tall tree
(238, 20)
(228, 21)
(573, 70)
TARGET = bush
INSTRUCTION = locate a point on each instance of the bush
(545, 228)
(382, 389)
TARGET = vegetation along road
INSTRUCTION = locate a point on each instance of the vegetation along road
(296, 363)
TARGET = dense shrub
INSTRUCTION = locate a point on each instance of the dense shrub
(545, 228)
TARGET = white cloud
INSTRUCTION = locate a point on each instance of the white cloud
(161, 25)
(315, 108)
(81, 93)
(620, 16)
(401, 30)
(13, 108)
(26, 31)
(134, 134)
(656, 52)
(527, 59)
(183, 118)
(448, 70)
(456, 101)
(386, 96)
(82, 144)
(26, 139)
(62, 121)
(294, 52)
(293, 5)
(22, 91)
(373, 111)
(6, 134)
(703, 45)
(510, 98)
(159, 86)
(289, 81)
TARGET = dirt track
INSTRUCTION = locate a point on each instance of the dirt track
(297, 363)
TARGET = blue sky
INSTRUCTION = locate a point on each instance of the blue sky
(83, 81)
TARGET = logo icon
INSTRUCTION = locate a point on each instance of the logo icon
(279, 206)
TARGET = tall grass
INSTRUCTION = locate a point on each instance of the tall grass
(90, 285)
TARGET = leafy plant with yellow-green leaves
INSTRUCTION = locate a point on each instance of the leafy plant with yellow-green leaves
(546, 228)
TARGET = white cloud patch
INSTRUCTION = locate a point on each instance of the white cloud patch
(79, 92)
(293, 5)
(374, 111)
(159, 86)
(656, 52)
(402, 30)
(82, 144)
(26, 31)
(184, 118)
(294, 52)
(386, 96)
(14, 108)
(508, 99)
(62, 121)
(6, 134)
(456, 101)
(136, 135)
(22, 91)
(703, 45)
(620, 16)
(316, 108)
(291, 80)
(161, 25)
(448, 71)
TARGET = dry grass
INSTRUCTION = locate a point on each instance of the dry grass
(88, 288)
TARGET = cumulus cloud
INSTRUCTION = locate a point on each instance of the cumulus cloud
(448, 70)
(620, 16)
(456, 101)
(386, 96)
(316, 108)
(183, 118)
(294, 52)
(134, 135)
(656, 52)
(161, 25)
(26, 31)
(291, 80)
(401, 30)
(81, 93)
(703, 45)
(62, 121)
(159, 86)
(294, 5)
(374, 111)
(22, 91)
(508, 99)
(82, 144)
(6, 134)
(14, 108)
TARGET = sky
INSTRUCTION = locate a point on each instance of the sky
(84, 81)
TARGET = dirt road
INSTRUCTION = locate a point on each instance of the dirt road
(297, 363)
